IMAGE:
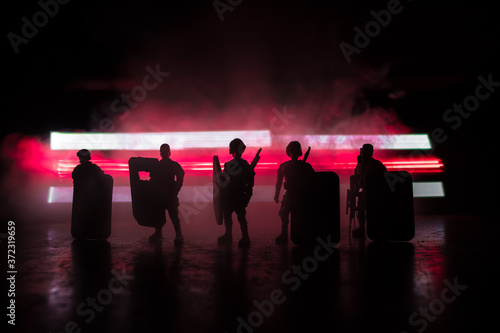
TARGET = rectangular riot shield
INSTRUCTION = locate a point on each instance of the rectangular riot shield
(147, 206)
(317, 214)
(91, 209)
(389, 207)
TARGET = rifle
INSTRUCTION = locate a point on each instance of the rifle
(249, 190)
(256, 159)
(306, 154)
(354, 192)
(351, 202)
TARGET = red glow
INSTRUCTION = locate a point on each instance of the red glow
(27, 154)
(268, 166)
(33, 156)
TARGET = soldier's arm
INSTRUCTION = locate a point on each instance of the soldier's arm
(279, 183)
(251, 178)
(225, 171)
(382, 167)
(99, 170)
(378, 167)
(74, 174)
(179, 177)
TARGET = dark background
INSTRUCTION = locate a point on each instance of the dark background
(434, 52)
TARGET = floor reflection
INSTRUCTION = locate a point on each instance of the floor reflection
(231, 299)
(127, 284)
(154, 296)
(92, 297)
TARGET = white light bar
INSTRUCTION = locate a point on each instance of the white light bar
(428, 190)
(264, 193)
(152, 141)
(186, 195)
(396, 141)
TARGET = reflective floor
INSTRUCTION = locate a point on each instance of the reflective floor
(441, 281)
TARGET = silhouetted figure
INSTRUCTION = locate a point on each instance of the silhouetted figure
(298, 178)
(367, 165)
(167, 179)
(86, 171)
(92, 197)
(238, 180)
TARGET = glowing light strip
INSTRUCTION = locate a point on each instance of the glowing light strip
(218, 139)
(396, 165)
(428, 190)
(53, 197)
(64, 168)
(190, 194)
(396, 141)
(152, 141)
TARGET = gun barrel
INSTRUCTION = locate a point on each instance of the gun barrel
(306, 155)
(256, 159)
(347, 201)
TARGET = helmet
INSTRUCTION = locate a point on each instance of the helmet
(367, 150)
(294, 149)
(83, 153)
(236, 146)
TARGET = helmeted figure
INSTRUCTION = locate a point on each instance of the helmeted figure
(237, 184)
(92, 199)
(298, 176)
(366, 166)
(85, 172)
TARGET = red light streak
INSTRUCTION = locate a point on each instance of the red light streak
(120, 167)
(331, 152)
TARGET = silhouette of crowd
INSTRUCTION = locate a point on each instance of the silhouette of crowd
(235, 182)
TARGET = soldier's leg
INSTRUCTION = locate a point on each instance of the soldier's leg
(360, 231)
(241, 215)
(173, 212)
(157, 235)
(362, 210)
(284, 213)
(228, 224)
